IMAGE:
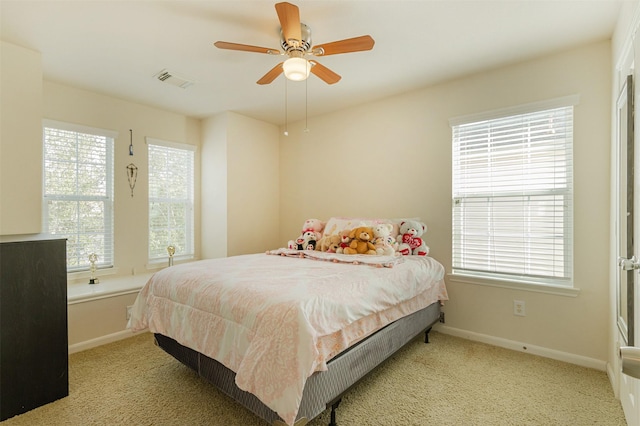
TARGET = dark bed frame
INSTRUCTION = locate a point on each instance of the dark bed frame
(324, 389)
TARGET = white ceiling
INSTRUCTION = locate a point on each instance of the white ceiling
(116, 47)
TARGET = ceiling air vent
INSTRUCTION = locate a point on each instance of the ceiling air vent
(175, 80)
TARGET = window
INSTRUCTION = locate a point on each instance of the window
(513, 195)
(170, 199)
(78, 191)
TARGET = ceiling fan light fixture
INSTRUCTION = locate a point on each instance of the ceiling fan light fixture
(295, 40)
(296, 69)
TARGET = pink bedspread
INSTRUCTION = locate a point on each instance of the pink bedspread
(274, 320)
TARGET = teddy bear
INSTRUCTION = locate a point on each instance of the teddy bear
(306, 241)
(323, 243)
(361, 241)
(386, 246)
(345, 240)
(383, 240)
(311, 233)
(334, 244)
(329, 243)
(409, 238)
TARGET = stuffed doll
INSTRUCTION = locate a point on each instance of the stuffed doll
(409, 239)
(306, 241)
(329, 243)
(385, 246)
(345, 240)
(382, 239)
(361, 241)
(323, 243)
(310, 242)
(313, 226)
(334, 244)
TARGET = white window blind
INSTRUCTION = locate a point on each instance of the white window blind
(78, 191)
(171, 169)
(513, 197)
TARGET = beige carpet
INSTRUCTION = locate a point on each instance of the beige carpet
(450, 381)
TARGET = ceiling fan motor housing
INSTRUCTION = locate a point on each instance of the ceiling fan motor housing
(301, 46)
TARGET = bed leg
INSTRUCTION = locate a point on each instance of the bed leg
(300, 422)
(333, 412)
(426, 335)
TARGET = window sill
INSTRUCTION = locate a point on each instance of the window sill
(83, 276)
(108, 287)
(155, 265)
(514, 285)
(109, 284)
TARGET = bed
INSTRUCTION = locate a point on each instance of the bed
(287, 332)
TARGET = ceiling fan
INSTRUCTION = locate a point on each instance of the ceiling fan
(295, 39)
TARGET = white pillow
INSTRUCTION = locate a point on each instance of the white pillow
(335, 225)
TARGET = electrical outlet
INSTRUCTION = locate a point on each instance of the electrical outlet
(129, 312)
(518, 308)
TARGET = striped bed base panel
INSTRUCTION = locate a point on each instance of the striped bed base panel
(322, 388)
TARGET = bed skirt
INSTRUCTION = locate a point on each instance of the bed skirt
(323, 388)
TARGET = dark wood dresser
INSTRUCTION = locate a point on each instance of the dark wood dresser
(34, 353)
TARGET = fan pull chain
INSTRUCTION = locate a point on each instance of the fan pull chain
(306, 106)
(286, 121)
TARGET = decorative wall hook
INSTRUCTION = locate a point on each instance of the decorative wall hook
(132, 175)
(130, 142)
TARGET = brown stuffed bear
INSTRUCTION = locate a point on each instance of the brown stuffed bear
(329, 243)
(345, 240)
(334, 244)
(361, 241)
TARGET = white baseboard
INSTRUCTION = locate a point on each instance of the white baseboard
(102, 340)
(524, 347)
(469, 335)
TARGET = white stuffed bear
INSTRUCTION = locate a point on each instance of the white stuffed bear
(387, 246)
(384, 242)
(409, 239)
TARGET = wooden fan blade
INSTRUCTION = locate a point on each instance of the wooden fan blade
(289, 16)
(324, 73)
(271, 75)
(245, 48)
(356, 44)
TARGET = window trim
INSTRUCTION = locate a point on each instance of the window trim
(513, 282)
(72, 127)
(559, 290)
(565, 101)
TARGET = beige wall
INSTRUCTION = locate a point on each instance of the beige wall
(64, 103)
(389, 158)
(20, 140)
(238, 161)
(253, 192)
(214, 186)
(393, 158)
(28, 100)
(240, 191)
(96, 319)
